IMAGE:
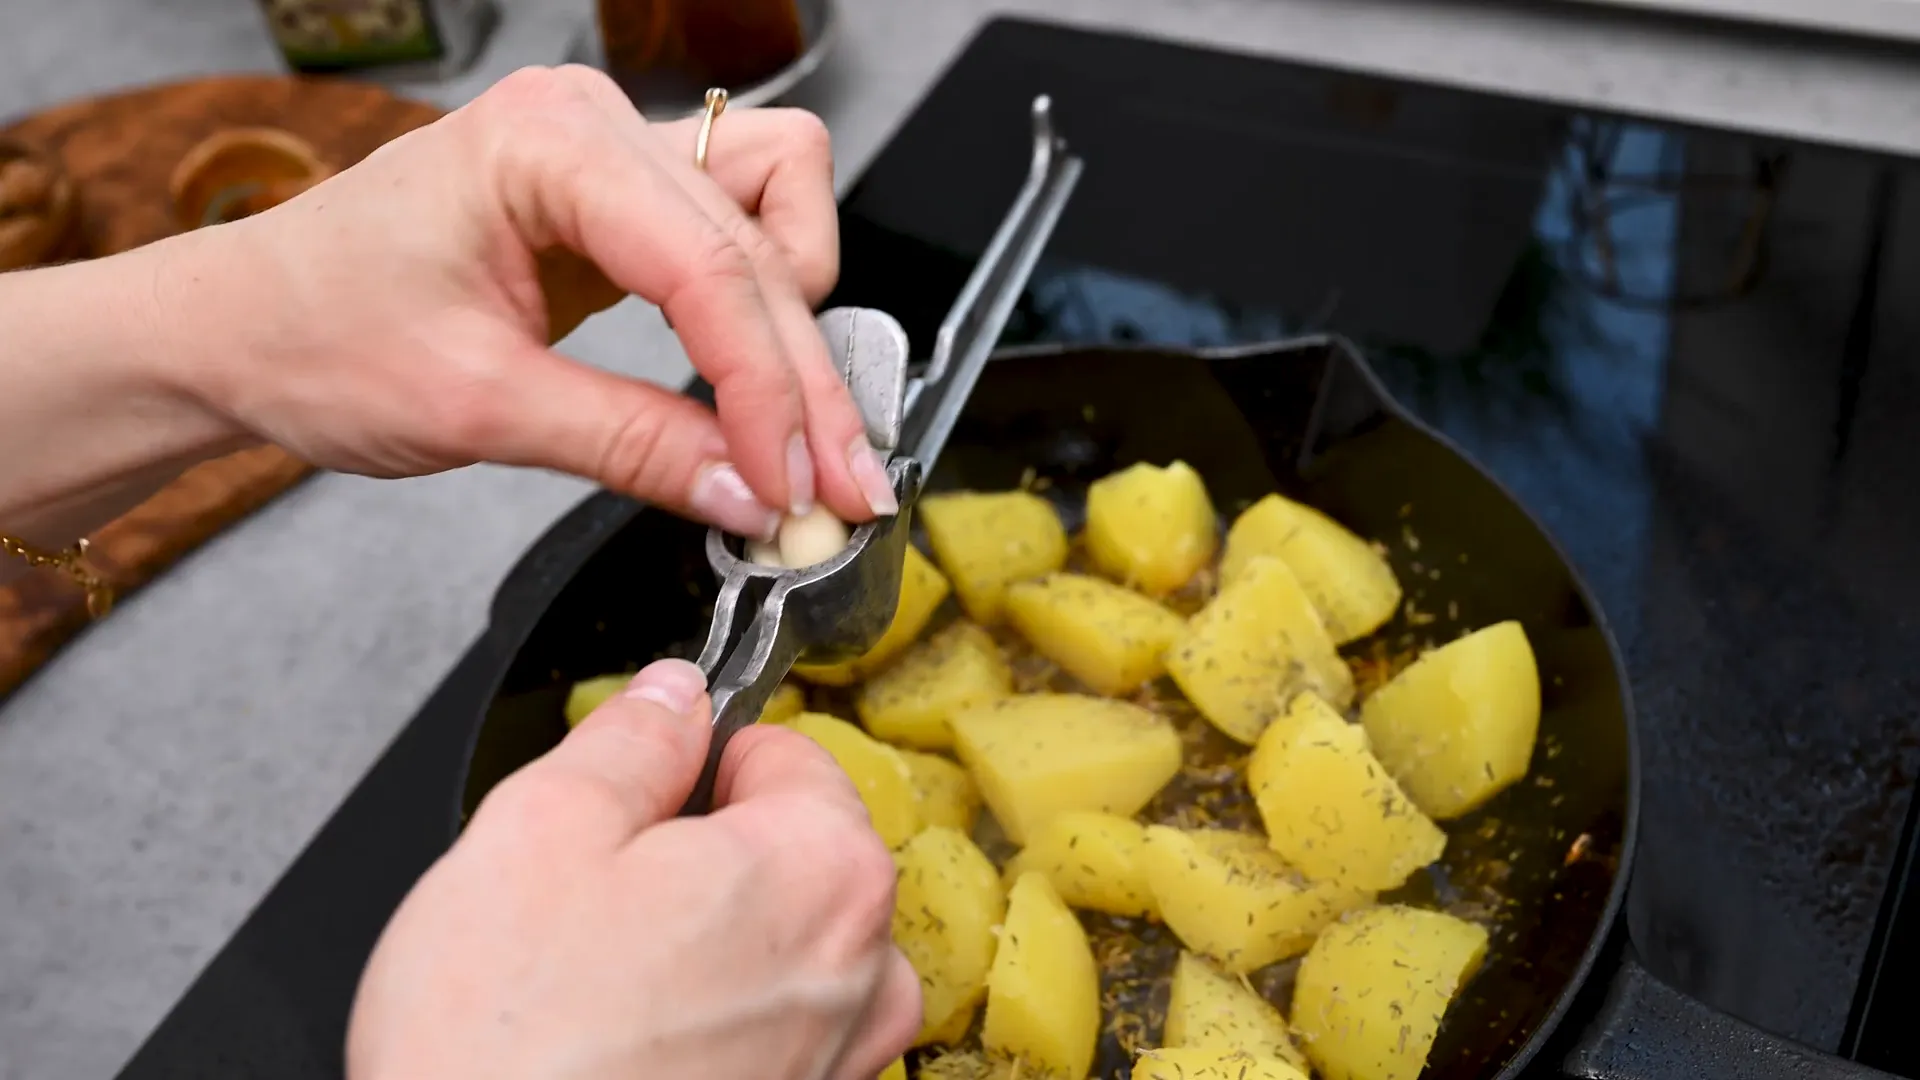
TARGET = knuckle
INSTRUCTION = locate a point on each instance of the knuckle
(720, 258)
(539, 112)
(758, 249)
(588, 79)
(805, 134)
(532, 88)
(630, 460)
(469, 413)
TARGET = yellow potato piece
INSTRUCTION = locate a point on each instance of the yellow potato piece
(951, 1033)
(1227, 895)
(1371, 992)
(1093, 862)
(787, 702)
(1110, 638)
(1151, 527)
(1351, 585)
(1252, 648)
(1330, 807)
(1208, 1010)
(878, 772)
(1037, 756)
(914, 701)
(947, 792)
(947, 904)
(1043, 994)
(1457, 727)
(895, 1071)
(922, 590)
(986, 541)
(1215, 1064)
(589, 694)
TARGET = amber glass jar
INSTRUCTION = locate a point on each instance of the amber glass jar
(675, 49)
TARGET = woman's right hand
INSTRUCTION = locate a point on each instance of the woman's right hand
(578, 930)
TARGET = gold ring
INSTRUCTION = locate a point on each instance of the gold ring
(716, 104)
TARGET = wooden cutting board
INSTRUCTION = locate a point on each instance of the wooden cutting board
(120, 151)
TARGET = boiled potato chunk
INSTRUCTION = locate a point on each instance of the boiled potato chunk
(1226, 894)
(1350, 583)
(1330, 808)
(1151, 527)
(986, 541)
(922, 590)
(1110, 638)
(1252, 648)
(786, 703)
(914, 701)
(1457, 727)
(1093, 861)
(951, 1033)
(947, 904)
(878, 772)
(895, 1071)
(1187, 1063)
(1037, 756)
(1371, 991)
(1043, 994)
(1210, 1010)
(589, 694)
(947, 792)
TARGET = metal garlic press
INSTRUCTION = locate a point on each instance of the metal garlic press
(766, 618)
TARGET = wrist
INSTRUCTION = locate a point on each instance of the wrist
(94, 416)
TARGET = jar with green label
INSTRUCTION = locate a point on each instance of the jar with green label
(328, 37)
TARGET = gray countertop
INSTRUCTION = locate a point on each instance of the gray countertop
(163, 772)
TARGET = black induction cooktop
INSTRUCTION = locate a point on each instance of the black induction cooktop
(1695, 355)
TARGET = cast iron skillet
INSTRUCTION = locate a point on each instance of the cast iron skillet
(612, 586)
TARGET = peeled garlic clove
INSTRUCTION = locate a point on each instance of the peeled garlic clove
(812, 538)
(764, 552)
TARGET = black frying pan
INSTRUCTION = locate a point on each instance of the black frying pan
(612, 586)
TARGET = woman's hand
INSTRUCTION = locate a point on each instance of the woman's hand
(396, 320)
(579, 931)
(398, 316)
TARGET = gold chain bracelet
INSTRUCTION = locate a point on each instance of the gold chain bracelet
(71, 562)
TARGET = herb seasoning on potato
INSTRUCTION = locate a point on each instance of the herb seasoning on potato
(1187, 792)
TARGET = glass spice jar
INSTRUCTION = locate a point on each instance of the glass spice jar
(672, 50)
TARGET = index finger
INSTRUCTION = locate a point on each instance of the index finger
(768, 760)
(571, 176)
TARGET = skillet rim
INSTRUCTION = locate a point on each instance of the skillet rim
(582, 531)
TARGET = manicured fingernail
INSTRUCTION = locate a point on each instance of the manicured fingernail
(721, 497)
(799, 476)
(870, 473)
(674, 685)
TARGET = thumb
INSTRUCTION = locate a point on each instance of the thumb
(645, 746)
(554, 412)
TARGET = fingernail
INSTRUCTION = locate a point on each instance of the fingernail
(870, 473)
(674, 685)
(799, 475)
(721, 497)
